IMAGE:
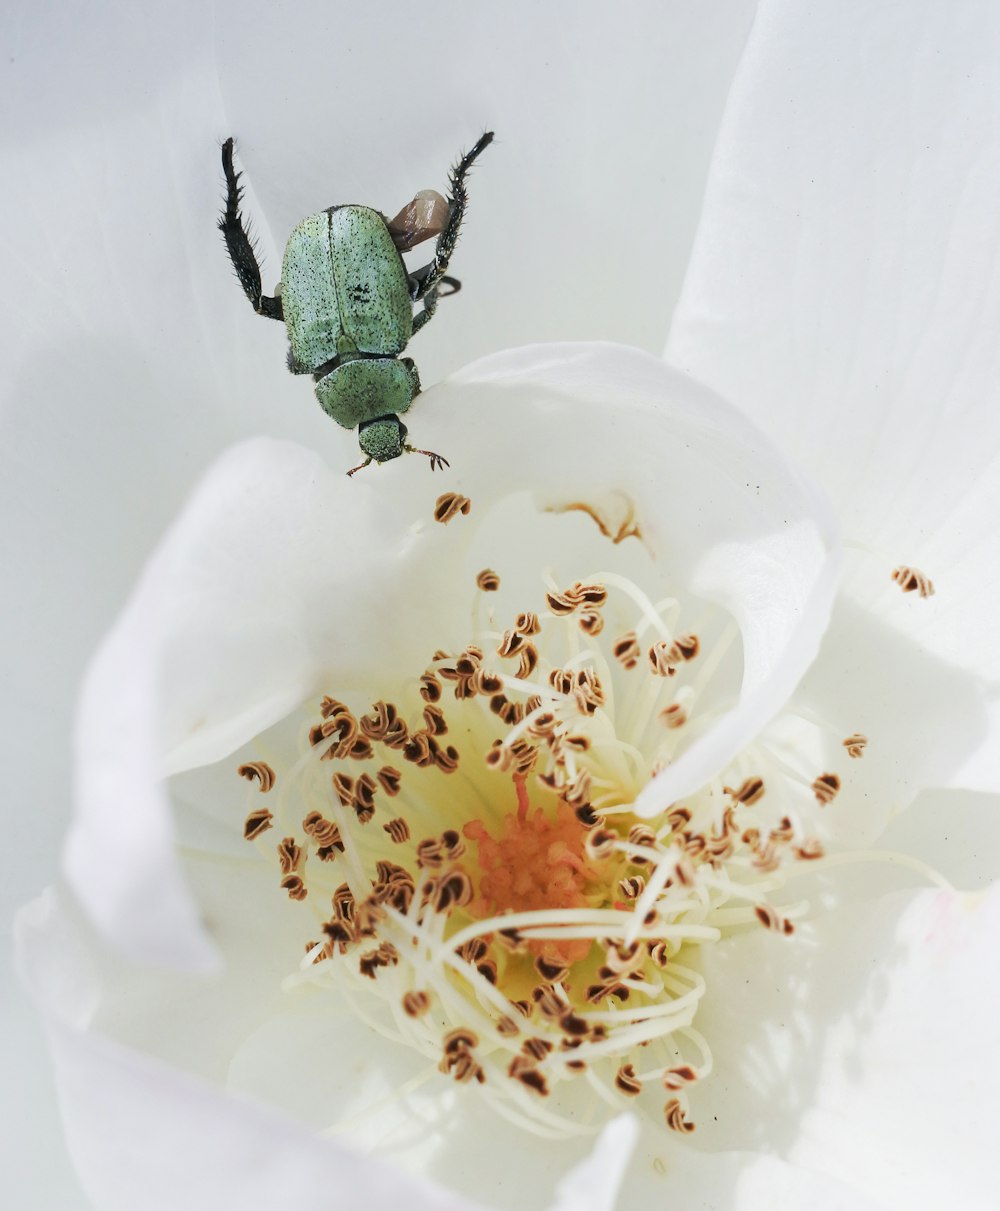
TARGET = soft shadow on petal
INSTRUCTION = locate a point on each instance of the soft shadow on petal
(875, 1024)
(844, 289)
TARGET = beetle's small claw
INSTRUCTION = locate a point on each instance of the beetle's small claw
(436, 459)
(360, 466)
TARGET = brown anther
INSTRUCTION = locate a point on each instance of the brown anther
(642, 836)
(659, 954)
(453, 890)
(542, 725)
(536, 1049)
(364, 797)
(325, 834)
(260, 771)
(527, 661)
(560, 604)
(527, 623)
(673, 716)
(256, 823)
(435, 720)
(430, 688)
(825, 788)
(632, 887)
(913, 580)
(389, 779)
(344, 904)
(626, 650)
(452, 843)
(748, 792)
(430, 853)
(562, 681)
(551, 971)
(591, 622)
(359, 750)
(809, 850)
(677, 1078)
(685, 648)
(488, 581)
(587, 816)
(289, 855)
(599, 844)
(458, 1040)
(416, 1003)
(524, 1070)
(418, 750)
(489, 970)
(674, 1114)
(473, 951)
(398, 830)
(446, 759)
(449, 505)
(377, 724)
(660, 661)
(770, 919)
(855, 744)
(507, 1027)
(510, 643)
(343, 787)
(295, 887)
(385, 955)
(593, 595)
(484, 681)
(524, 1008)
(549, 1003)
(626, 1081)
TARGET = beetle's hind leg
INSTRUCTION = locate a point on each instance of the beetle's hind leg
(431, 275)
(239, 244)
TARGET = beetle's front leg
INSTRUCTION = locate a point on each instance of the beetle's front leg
(431, 274)
(238, 243)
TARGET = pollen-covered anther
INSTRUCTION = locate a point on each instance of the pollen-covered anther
(599, 844)
(259, 771)
(398, 830)
(385, 955)
(855, 744)
(458, 1060)
(449, 505)
(430, 688)
(771, 919)
(510, 643)
(257, 822)
(627, 1082)
(673, 716)
(290, 859)
(626, 650)
(527, 661)
(488, 581)
(588, 693)
(632, 887)
(825, 788)
(678, 1077)
(673, 1112)
(750, 791)
(660, 661)
(452, 890)
(527, 623)
(435, 720)
(912, 580)
(416, 1003)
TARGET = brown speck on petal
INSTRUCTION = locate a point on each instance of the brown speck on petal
(912, 580)
(449, 505)
(256, 823)
(488, 580)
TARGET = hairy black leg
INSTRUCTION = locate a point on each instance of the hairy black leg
(239, 244)
(430, 301)
(429, 277)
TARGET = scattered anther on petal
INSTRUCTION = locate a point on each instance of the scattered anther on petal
(260, 771)
(257, 822)
(825, 788)
(855, 744)
(488, 581)
(449, 505)
(748, 792)
(674, 1114)
(626, 650)
(626, 1081)
(913, 580)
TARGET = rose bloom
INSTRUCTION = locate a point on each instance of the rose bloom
(535, 835)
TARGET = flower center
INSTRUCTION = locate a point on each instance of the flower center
(483, 889)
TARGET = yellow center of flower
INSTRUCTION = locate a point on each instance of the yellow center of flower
(482, 887)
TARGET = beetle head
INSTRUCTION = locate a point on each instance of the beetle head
(382, 438)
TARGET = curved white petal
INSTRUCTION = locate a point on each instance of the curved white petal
(844, 288)
(283, 578)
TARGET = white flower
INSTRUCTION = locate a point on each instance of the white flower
(252, 604)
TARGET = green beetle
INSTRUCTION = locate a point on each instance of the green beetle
(347, 300)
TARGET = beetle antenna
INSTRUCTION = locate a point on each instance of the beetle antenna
(360, 466)
(436, 459)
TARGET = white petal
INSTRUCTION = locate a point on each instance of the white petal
(282, 579)
(870, 1050)
(844, 288)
